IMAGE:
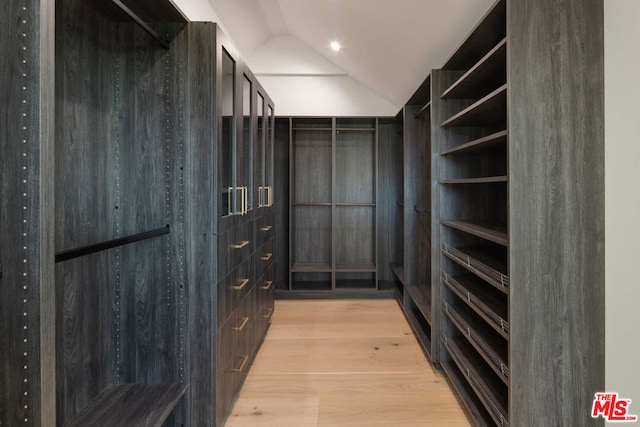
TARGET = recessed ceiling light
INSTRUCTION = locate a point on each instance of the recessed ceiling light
(335, 46)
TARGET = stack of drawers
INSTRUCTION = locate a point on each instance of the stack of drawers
(245, 303)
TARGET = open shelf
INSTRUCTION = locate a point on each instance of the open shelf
(486, 301)
(312, 204)
(491, 392)
(490, 110)
(361, 129)
(424, 110)
(485, 35)
(355, 204)
(481, 180)
(492, 348)
(356, 267)
(130, 405)
(325, 129)
(303, 267)
(420, 324)
(485, 262)
(150, 11)
(421, 296)
(493, 233)
(484, 144)
(399, 272)
(473, 404)
(486, 75)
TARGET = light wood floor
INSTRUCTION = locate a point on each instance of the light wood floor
(343, 363)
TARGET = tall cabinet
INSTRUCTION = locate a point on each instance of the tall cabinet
(517, 163)
(135, 257)
(333, 205)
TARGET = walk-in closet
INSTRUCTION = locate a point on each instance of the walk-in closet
(212, 216)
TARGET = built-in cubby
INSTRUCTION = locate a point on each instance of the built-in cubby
(333, 213)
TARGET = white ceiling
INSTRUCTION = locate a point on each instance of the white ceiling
(388, 46)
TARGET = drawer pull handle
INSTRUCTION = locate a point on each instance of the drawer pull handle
(240, 245)
(266, 257)
(268, 313)
(243, 365)
(245, 320)
(266, 228)
(267, 285)
(241, 285)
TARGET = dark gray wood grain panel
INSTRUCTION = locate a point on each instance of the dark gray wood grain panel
(84, 73)
(312, 166)
(201, 211)
(27, 317)
(355, 166)
(281, 211)
(555, 72)
(355, 235)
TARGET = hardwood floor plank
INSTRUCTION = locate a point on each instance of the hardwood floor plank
(343, 363)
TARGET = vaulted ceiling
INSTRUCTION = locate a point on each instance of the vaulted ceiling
(388, 46)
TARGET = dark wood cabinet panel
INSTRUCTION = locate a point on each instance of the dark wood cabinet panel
(505, 152)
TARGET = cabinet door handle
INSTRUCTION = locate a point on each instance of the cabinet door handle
(229, 199)
(245, 320)
(246, 200)
(266, 228)
(245, 359)
(241, 285)
(268, 313)
(266, 257)
(267, 285)
(269, 196)
(240, 245)
(260, 196)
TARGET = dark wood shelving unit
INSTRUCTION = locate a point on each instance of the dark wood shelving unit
(501, 179)
(333, 243)
(415, 272)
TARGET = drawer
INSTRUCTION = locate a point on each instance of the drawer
(234, 356)
(265, 228)
(265, 290)
(233, 289)
(234, 246)
(264, 257)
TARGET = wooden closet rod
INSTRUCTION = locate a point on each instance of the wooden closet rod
(109, 244)
(141, 23)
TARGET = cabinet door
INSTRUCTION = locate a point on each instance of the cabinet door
(228, 170)
(245, 148)
(260, 150)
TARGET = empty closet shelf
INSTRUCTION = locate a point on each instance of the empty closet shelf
(492, 232)
(486, 263)
(485, 300)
